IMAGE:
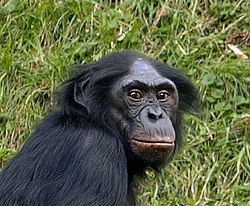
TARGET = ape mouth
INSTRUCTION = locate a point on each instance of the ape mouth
(154, 143)
(154, 151)
(160, 141)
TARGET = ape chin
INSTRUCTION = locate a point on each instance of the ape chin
(115, 117)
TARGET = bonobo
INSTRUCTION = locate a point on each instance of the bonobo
(115, 117)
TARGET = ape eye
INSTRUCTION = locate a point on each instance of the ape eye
(135, 94)
(163, 95)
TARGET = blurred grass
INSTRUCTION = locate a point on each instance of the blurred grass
(41, 40)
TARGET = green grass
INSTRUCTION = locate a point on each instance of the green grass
(41, 40)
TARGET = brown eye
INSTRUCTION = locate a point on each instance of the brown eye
(163, 95)
(135, 94)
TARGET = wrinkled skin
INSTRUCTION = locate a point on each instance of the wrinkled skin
(146, 103)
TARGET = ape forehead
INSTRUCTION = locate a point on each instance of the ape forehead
(142, 68)
(143, 72)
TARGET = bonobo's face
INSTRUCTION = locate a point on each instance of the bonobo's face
(145, 104)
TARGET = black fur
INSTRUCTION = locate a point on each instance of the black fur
(76, 155)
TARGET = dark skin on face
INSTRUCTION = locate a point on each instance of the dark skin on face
(145, 106)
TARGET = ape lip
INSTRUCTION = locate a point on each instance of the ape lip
(154, 142)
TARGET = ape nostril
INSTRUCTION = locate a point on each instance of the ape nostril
(152, 114)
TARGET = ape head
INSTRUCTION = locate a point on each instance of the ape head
(144, 106)
(137, 98)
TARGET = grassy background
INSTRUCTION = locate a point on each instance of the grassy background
(41, 39)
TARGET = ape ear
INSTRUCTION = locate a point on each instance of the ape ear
(80, 91)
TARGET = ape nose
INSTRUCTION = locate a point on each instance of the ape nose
(155, 113)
